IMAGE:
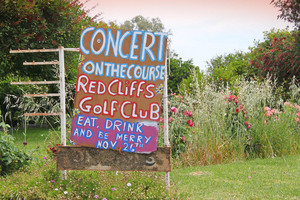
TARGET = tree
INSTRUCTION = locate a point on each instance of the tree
(38, 24)
(277, 55)
(143, 24)
(179, 70)
(290, 11)
(227, 68)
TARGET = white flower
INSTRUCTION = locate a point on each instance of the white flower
(56, 189)
(128, 184)
(65, 192)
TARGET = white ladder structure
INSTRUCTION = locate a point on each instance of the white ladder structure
(61, 82)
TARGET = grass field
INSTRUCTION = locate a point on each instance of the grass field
(276, 178)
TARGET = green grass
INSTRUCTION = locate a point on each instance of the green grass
(37, 139)
(276, 178)
(256, 179)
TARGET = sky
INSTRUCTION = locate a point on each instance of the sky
(201, 30)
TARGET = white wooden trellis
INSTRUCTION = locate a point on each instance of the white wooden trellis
(61, 82)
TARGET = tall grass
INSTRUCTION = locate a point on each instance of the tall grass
(232, 123)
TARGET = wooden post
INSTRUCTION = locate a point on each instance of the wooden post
(62, 101)
(166, 126)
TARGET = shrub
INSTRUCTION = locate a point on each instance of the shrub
(229, 122)
(180, 125)
(11, 158)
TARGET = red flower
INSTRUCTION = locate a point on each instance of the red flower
(187, 113)
(25, 143)
(183, 138)
(190, 123)
(237, 110)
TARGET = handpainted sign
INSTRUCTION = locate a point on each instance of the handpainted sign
(119, 89)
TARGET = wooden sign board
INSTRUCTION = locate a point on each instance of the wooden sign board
(119, 89)
(86, 158)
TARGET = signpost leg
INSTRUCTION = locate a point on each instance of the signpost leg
(166, 126)
(62, 101)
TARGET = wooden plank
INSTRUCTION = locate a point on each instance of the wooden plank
(88, 158)
(42, 50)
(41, 114)
(34, 82)
(72, 49)
(33, 50)
(41, 63)
(43, 95)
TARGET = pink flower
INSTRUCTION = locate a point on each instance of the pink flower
(298, 114)
(25, 143)
(273, 110)
(297, 119)
(161, 120)
(286, 103)
(187, 113)
(267, 109)
(236, 101)
(237, 110)
(246, 123)
(174, 109)
(183, 138)
(268, 114)
(52, 181)
(170, 119)
(246, 117)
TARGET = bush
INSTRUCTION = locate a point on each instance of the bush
(180, 125)
(11, 158)
(230, 122)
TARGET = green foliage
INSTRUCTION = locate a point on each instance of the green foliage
(179, 71)
(180, 125)
(277, 56)
(225, 69)
(231, 127)
(38, 24)
(11, 158)
(143, 24)
(290, 10)
(43, 181)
